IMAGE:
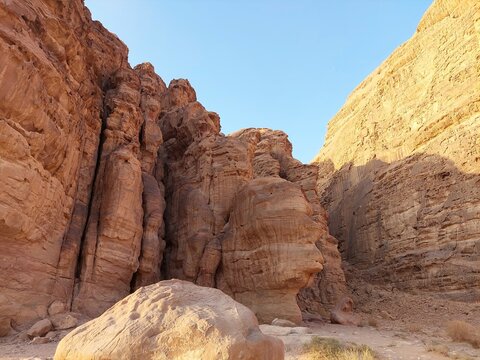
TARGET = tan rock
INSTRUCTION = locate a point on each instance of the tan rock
(268, 248)
(172, 320)
(283, 322)
(52, 335)
(343, 313)
(273, 157)
(399, 169)
(67, 78)
(57, 307)
(205, 175)
(40, 328)
(63, 321)
(94, 155)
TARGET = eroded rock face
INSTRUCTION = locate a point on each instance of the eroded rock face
(273, 158)
(399, 168)
(72, 161)
(172, 320)
(50, 117)
(95, 155)
(211, 180)
(268, 248)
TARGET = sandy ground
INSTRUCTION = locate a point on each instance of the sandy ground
(405, 326)
(387, 344)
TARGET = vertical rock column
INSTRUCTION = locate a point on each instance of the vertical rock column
(273, 158)
(152, 89)
(112, 240)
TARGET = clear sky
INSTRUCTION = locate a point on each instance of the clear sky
(281, 64)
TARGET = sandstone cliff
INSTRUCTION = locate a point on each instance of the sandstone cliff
(111, 181)
(399, 168)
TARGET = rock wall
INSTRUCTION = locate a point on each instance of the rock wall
(111, 181)
(398, 172)
(243, 215)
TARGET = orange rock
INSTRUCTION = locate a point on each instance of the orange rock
(399, 169)
(95, 155)
(268, 248)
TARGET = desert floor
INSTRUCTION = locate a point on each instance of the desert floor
(397, 325)
(388, 344)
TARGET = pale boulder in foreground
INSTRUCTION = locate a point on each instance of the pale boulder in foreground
(172, 320)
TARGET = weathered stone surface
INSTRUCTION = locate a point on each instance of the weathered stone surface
(40, 340)
(273, 157)
(343, 313)
(63, 321)
(211, 180)
(172, 320)
(268, 248)
(72, 113)
(399, 169)
(93, 152)
(57, 307)
(40, 328)
(50, 105)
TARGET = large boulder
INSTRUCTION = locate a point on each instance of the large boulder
(172, 319)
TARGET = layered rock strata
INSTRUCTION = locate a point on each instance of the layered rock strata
(242, 215)
(111, 181)
(399, 169)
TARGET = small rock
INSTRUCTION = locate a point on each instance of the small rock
(283, 322)
(51, 335)
(40, 328)
(39, 340)
(299, 330)
(61, 334)
(57, 307)
(343, 313)
(64, 321)
(275, 330)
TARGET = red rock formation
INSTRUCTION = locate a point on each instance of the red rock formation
(209, 177)
(273, 157)
(399, 168)
(55, 66)
(91, 154)
(268, 248)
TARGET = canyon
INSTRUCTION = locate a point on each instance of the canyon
(112, 180)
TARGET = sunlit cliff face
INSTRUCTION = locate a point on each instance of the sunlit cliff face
(269, 245)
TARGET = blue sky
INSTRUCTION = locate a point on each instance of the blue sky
(286, 65)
